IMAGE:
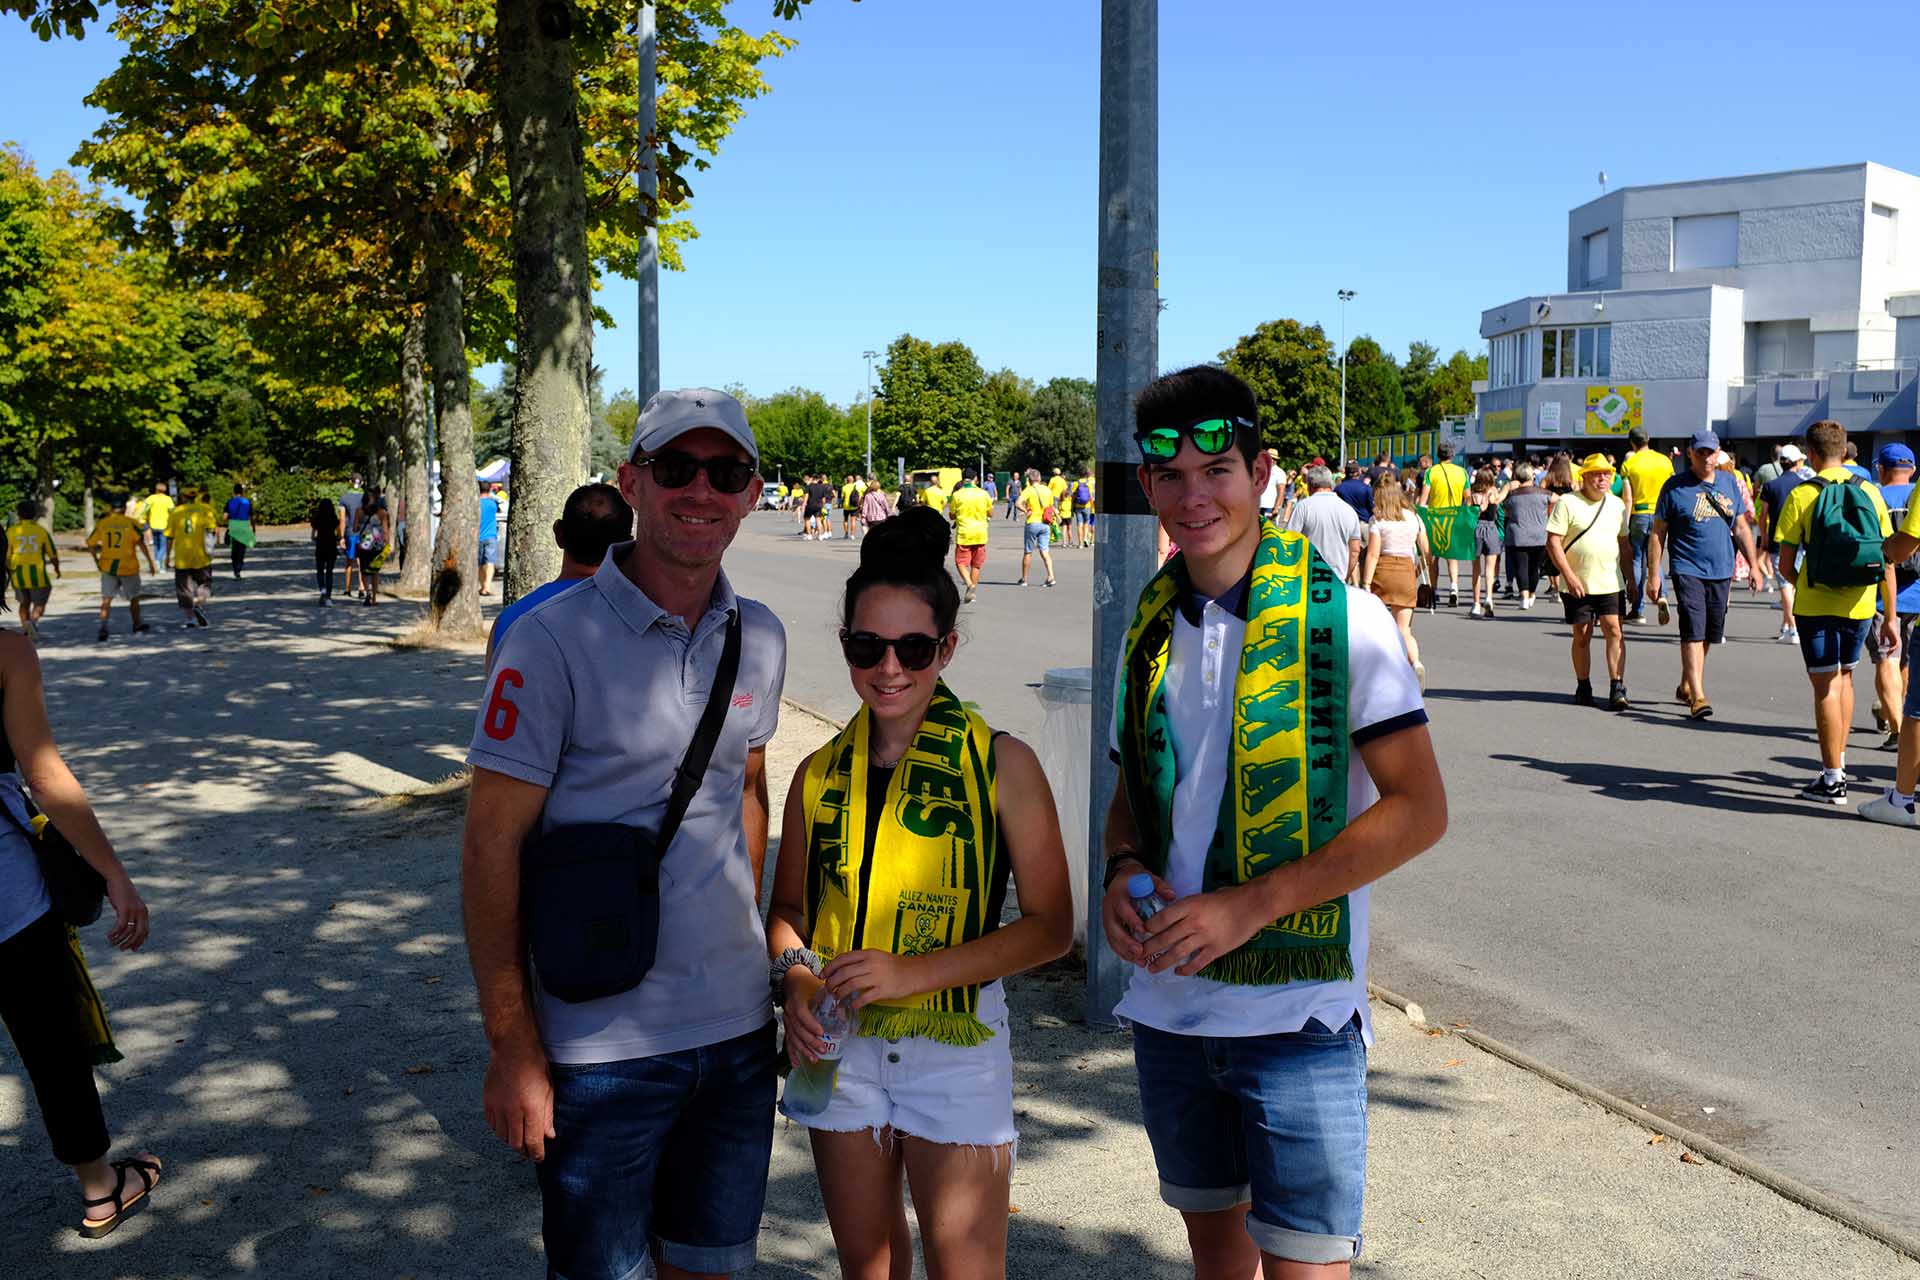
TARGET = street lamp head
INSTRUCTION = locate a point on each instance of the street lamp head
(1346, 295)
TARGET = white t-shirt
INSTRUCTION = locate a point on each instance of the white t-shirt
(1270, 496)
(1383, 696)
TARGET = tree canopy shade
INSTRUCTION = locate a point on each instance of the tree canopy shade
(1291, 368)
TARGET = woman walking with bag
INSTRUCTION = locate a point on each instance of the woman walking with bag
(1395, 537)
(897, 843)
(46, 999)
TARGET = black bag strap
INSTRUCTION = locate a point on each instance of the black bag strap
(693, 767)
(1599, 511)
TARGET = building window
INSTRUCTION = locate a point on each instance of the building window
(1885, 223)
(1507, 361)
(1583, 351)
(1597, 258)
(1709, 240)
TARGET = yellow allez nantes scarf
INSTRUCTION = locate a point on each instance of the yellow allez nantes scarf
(1286, 792)
(929, 878)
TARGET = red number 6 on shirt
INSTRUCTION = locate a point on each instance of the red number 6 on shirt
(502, 716)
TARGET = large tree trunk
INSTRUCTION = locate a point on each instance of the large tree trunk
(553, 329)
(416, 570)
(456, 552)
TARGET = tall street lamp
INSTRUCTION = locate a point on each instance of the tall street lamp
(1346, 296)
(869, 355)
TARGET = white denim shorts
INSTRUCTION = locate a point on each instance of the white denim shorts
(920, 1088)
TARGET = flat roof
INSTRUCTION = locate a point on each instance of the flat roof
(1742, 177)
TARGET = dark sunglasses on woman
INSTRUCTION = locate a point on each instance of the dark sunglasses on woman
(864, 650)
(675, 470)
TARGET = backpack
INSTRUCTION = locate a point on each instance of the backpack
(1082, 495)
(1843, 535)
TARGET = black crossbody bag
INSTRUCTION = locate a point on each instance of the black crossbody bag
(590, 892)
(77, 891)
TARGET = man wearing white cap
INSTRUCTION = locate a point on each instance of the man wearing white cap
(1773, 500)
(622, 967)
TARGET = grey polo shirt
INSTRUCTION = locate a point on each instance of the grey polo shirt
(594, 695)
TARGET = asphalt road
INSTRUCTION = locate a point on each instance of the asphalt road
(1637, 899)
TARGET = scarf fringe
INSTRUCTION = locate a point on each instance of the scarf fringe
(1248, 967)
(889, 1022)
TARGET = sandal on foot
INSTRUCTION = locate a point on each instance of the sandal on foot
(124, 1206)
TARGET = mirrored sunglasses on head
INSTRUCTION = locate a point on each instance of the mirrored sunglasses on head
(675, 470)
(1211, 436)
(864, 650)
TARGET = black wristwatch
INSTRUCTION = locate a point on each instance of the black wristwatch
(1114, 863)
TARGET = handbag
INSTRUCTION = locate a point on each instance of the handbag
(77, 891)
(590, 892)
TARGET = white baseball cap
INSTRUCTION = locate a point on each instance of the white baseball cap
(671, 414)
(1791, 453)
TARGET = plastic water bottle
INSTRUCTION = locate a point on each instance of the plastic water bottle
(1146, 900)
(810, 1084)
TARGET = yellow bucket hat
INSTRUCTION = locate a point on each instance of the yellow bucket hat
(1594, 462)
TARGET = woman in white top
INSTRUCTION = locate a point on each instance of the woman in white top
(1396, 535)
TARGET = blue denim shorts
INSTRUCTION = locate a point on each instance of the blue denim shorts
(1831, 644)
(1038, 538)
(1277, 1121)
(669, 1151)
(490, 551)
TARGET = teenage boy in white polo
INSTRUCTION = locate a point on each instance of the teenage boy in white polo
(1265, 711)
(650, 1112)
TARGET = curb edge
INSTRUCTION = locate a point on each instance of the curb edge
(1902, 1242)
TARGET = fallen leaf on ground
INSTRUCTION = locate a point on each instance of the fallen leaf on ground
(1656, 1139)
(1687, 1157)
(430, 981)
(1013, 1208)
(1453, 1062)
(206, 1202)
(420, 1069)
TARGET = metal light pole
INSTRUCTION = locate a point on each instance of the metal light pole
(649, 273)
(869, 355)
(1127, 358)
(1346, 296)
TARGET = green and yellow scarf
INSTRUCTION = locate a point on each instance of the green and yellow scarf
(928, 881)
(1286, 792)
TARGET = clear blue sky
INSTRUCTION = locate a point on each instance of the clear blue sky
(930, 168)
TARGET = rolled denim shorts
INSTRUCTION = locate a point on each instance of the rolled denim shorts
(490, 551)
(1038, 538)
(670, 1150)
(1831, 643)
(1277, 1122)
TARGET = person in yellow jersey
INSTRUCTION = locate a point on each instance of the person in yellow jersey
(1445, 486)
(30, 550)
(934, 496)
(1057, 486)
(1063, 503)
(1083, 505)
(1646, 471)
(1036, 500)
(971, 509)
(187, 530)
(155, 511)
(117, 546)
(852, 490)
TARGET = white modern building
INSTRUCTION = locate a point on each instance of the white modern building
(1754, 306)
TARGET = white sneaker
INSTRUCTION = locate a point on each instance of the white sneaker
(1788, 635)
(1883, 808)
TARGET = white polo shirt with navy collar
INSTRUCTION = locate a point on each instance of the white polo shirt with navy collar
(1383, 697)
(595, 695)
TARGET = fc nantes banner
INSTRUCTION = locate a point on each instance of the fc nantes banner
(1450, 530)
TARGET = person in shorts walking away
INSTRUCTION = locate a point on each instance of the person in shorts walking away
(188, 529)
(648, 1111)
(1587, 544)
(1646, 470)
(1330, 524)
(117, 546)
(1485, 497)
(1896, 806)
(374, 545)
(1832, 542)
(1036, 500)
(972, 513)
(155, 511)
(1261, 708)
(1773, 502)
(1894, 464)
(489, 538)
(1444, 486)
(898, 841)
(30, 554)
(1395, 538)
(1700, 519)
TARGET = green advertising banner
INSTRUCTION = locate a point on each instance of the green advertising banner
(1450, 530)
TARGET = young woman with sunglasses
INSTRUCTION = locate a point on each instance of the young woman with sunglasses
(896, 847)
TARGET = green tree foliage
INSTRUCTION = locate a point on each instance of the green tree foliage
(1376, 405)
(1009, 399)
(799, 432)
(932, 407)
(1416, 375)
(1058, 430)
(610, 448)
(1290, 367)
(1450, 392)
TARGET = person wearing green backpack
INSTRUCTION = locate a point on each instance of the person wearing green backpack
(1832, 538)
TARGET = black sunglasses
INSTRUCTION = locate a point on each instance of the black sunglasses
(1211, 436)
(676, 471)
(864, 650)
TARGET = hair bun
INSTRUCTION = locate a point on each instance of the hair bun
(914, 539)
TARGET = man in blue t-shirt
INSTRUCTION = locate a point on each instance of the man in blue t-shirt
(1357, 493)
(1794, 472)
(1895, 464)
(594, 518)
(489, 537)
(1699, 517)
